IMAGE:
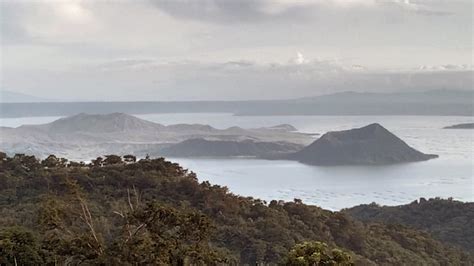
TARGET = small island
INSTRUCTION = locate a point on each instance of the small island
(369, 145)
(461, 126)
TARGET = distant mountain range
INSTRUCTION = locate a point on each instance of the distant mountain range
(435, 102)
(16, 97)
(88, 136)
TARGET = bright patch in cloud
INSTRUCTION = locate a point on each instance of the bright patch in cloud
(73, 12)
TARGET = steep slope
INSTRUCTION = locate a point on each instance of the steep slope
(449, 221)
(372, 144)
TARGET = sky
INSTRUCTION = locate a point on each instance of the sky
(232, 50)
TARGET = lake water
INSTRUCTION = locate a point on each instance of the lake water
(337, 187)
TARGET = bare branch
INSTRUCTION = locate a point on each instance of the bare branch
(129, 201)
(119, 213)
(137, 198)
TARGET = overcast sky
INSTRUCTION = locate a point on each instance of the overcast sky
(218, 49)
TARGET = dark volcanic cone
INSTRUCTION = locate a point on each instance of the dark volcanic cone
(369, 145)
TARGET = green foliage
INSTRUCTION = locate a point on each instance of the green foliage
(129, 158)
(447, 220)
(18, 246)
(52, 161)
(98, 161)
(316, 253)
(157, 234)
(155, 212)
(112, 159)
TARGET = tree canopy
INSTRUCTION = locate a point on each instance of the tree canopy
(155, 212)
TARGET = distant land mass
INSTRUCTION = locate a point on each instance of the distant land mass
(16, 97)
(209, 148)
(92, 135)
(369, 145)
(461, 126)
(434, 102)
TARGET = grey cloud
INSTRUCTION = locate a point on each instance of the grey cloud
(420, 8)
(125, 64)
(169, 54)
(241, 63)
(448, 67)
(241, 11)
(11, 30)
(428, 12)
(153, 80)
(244, 11)
(308, 67)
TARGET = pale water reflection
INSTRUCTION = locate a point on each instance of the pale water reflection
(338, 187)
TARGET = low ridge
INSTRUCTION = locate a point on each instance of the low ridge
(200, 147)
(461, 126)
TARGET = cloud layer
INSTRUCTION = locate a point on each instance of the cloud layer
(226, 49)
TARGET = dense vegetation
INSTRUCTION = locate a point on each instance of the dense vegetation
(446, 220)
(316, 253)
(116, 211)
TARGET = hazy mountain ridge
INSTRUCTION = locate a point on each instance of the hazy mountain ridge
(107, 123)
(89, 135)
(85, 135)
(461, 126)
(440, 96)
(17, 97)
(435, 102)
(372, 144)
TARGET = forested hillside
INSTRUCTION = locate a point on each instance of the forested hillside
(116, 211)
(448, 220)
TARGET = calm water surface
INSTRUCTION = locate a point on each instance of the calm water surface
(338, 187)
